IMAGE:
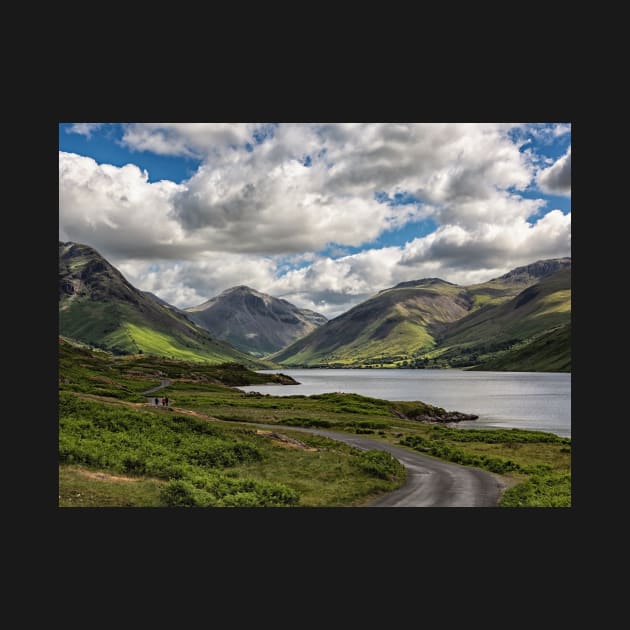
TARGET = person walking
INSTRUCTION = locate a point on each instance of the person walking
(156, 402)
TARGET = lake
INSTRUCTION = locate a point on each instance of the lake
(524, 400)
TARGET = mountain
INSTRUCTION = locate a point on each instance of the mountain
(159, 300)
(508, 285)
(396, 323)
(254, 322)
(434, 323)
(499, 330)
(550, 352)
(98, 306)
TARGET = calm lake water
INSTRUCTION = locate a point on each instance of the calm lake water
(524, 400)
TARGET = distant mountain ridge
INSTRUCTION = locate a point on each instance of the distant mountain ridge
(537, 270)
(98, 306)
(434, 323)
(253, 321)
(518, 321)
(422, 282)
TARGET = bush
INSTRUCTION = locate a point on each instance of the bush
(380, 464)
(551, 490)
(186, 451)
(497, 436)
(184, 494)
(438, 449)
(306, 422)
(241, 499)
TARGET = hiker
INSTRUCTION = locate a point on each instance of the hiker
(156, 402)
(166, 401)
(163, 401)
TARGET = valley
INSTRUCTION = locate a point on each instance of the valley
(213, 450)
(519, 321)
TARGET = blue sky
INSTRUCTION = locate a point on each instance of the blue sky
(104, 145)
(321, 214)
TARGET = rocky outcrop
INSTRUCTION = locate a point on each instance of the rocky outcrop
(436, 414)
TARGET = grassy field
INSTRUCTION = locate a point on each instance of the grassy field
(538, 463)
(154, 457)
(116, 451)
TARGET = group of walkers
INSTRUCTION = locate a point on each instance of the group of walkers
(164, 402)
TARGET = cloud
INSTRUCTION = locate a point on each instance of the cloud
(187, 139)
(556, 179)
(332, 286)
(544, 133)
(491, 246)
(117, 210)
(84, 129)
(188, 283)
(561, 130)
(267, 200)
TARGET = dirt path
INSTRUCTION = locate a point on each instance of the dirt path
(162, 385)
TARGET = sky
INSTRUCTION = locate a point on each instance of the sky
(323, 215)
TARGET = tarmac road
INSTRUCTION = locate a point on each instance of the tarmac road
(430, 482)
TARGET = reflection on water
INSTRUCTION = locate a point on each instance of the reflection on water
(525, 400)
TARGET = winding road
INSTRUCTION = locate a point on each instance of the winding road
(430, 482)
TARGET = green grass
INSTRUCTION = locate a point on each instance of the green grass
(182, 461)
(82, 487)
(205, 458)
(118, 327)
(86, 370)
(549, 490)
(161, 344)
(539, 463)
(549, 352)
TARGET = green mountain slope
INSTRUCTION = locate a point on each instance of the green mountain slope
(549, 352)
(432, 323)
(492, 329)
(502, 289)
(392, 325)
(99, 307)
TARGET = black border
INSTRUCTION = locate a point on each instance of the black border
(381, 92)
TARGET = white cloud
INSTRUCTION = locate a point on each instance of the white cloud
(561, 130)
(186, 139)
(117, 210)
(557, 178)
(547, 133)
(246, 216)
(265, 201)
(491, 246)
(84, 129)
(332, 286)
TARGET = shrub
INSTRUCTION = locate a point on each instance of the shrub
(181, 493)
(380, 464)
(241, 499)
(306, 422)
(551, 490)
(438, 449)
